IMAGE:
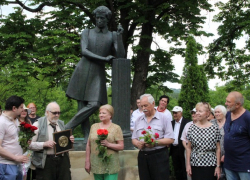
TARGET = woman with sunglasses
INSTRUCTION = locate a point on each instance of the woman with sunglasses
(203, 147)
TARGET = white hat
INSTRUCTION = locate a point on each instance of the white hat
(194, 110)
(28, 110)
(177, 109)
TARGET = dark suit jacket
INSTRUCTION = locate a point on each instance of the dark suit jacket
(181, 147)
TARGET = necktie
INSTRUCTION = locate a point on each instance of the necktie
(53, 126)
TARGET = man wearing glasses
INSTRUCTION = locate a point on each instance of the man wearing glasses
(48, 165)
(237, 138)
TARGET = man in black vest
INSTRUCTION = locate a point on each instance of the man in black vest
(177, 149)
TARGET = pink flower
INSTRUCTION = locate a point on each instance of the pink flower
(143, 132)
(149, 127)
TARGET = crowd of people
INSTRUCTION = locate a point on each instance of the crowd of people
(214, 145)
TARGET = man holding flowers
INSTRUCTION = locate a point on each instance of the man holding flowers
(152, 133)
(11, 153)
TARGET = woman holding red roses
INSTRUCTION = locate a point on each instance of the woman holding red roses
(113, 143)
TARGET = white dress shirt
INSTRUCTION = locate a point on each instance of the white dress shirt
(177, 126)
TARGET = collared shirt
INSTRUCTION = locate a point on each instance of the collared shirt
(177, 126)
(159, 124)
(135, 115)
(39, 145)
(9, 135)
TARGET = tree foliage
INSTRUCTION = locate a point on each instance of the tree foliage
(48, 44)
(194, 87)
(226, 59)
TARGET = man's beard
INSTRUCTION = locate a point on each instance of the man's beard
(54, 120)
(231, 108)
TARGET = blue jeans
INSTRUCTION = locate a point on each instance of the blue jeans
(234, 175)
(10, 172)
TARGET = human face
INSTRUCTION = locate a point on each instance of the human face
(54, 113)
(101, 20)
(177, 115)
(138, 103)
(104, 115)
(230, 103)
(147, 107)
(24, 113)
(163, 103)
(193, 115)
(218, 114)
(32, 107)
(210, 117)
(202, 113)
(19, 110)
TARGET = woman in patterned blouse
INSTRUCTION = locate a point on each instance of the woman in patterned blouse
(114, 144)
(203, 148)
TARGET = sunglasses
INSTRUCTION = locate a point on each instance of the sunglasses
(55, 113)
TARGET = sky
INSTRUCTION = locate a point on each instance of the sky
(178, 61)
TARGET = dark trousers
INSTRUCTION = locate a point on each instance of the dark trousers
(85, 109)
(204, 173)
(56, 168)
(179, 163)
(153, 165)
(31, 173)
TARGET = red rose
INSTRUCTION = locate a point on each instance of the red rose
(33, 128)
(27, 126)
(99, 132)
(22, 123)
(149, 127)
(156, 135)
(105, 132)
(152, 140)
(143, 132)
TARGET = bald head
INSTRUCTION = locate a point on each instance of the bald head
(237, 96)
(52, 112)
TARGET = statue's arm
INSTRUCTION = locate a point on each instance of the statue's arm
(86, 52)
(118, 43)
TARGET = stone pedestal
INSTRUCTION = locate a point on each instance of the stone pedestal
(121, 77)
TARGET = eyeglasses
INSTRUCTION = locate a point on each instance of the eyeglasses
(55, 113)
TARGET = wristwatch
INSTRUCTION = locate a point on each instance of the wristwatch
(218, 166)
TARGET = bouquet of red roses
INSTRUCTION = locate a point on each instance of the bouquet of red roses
(25, 134)
(102, 134)
(148, 137)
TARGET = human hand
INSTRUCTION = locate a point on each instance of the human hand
(87, 167)
(189, 171)
(109, 57)
(29, 142)
(140, 144)
(49, 144)
(105, 143)
(72, 138)
(222, 158)
(119, 29)
(21, 159)
(149, 145)
(217, 172)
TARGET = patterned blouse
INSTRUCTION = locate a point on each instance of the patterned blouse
(203, 144)
(97, 166)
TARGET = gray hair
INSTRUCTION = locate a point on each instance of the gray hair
(222, 108)
(103, 9)
(151, 99)
(48, 108)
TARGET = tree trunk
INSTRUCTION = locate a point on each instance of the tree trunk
(142, 62)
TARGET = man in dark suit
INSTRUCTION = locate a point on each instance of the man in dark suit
(177, 149)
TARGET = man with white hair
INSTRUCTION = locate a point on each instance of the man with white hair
(153, 159)
(48, 165)
(237, 138)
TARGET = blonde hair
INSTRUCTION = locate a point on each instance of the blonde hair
(205, 104)
(109, 108)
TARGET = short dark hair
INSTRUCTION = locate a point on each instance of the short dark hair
(164, 96)
(13, 101)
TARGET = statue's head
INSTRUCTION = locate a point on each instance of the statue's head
(102, 15)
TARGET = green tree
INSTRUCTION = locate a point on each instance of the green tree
(48, 44)
(226, 60)
(194, 87)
